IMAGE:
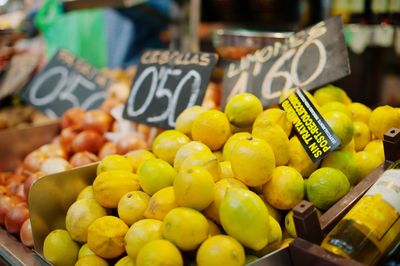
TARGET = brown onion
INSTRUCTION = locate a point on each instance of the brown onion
(25, 233)
(15, 217)
(82, 158)
(97, 120)
(129, 143)
(107, 149)
(73, 118)
(34, 160)
(67, 135)
(88, 140)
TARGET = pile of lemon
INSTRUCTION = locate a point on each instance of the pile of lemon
(213, 191)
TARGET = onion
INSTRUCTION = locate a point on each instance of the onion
(88, 140)
(52, 151)
(129, 143)
(73, 118)
(97, 120)
(82, 158)
(13, 182)
(107, 149)
(55, 165)
(15, 217)
(34, 160)
(5, 205)
(30, 180)
(25, 233)
(66, 137)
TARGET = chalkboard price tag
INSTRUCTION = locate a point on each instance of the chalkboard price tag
(312, 130)
(307, 59)
(66, 82)
(166, 83)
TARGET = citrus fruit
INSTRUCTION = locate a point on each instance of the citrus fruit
(235, 130)
(132, 206)
(159, 252)
(241, 210)
(161, 203)
(194, 187)
(252, 161)
(286, 242)
(220, 250)
(249, 259)
(350, 147)
(155, 174)
(110, 186)
(343, 161)
(299, 159)
(242, 109)
(182, 222)
(382, 119)
(274, 135)
(212, 128)
(85, 251)
(126, 261)
(185, 119)
(137, 157)
(205, 159)
(277, 116)
(289, 224)
(330, 93)
(361, 135)
(168, 143)
(59, 248)
(80, 215)
(140, 233)
(226, 170)
(341, 125)
(274, 213)
(187, 150)
(231, 142)
(365, 162)
(219, 156)
(274, 240)
(106, 237)
(335, 106)
(114, 162)
(359, 112)
(213, 229)
(91, 260)
(325, 186)
(86, 193)
(376, 147)
(286, 181)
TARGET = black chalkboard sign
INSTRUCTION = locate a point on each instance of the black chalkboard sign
(307, 59)
(166, 83)
(66, 82)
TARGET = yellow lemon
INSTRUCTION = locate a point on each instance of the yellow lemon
(242, 109)
(350, 147)
(274, 135)
(85, 251)
(182, 222)
(335, 106)
(343, 161)
(273, 212)
(286, 181)
(220, 250)
(219, 156)
(59, 248)
(125, 261)
(114, 162)
(137, 157)
(86, 193)
(205, 159)
(106, 237)
(275, 238)
(365, 162)
(194, 187)
(241, 210)
(299, 159)
(361, 135)
(91, 260)
(226, 170)
(155, 174)
(168, 143)
(376, 147)
(330, 93)
(80, 215)
(159, 252)
(141, 233)
(382, 119)
(341, 125)
(359, 112)
(289, 224)
(212, 128)
(187, 150)
(231, 142)
(213, 229)
(132, 205)
(252, 161)
(277, 116)
(185, 119)
(161, 203)
(286, 242)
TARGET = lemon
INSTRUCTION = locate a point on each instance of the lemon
(59, 248)
(194, 187)
(159, 252)
(231, 142)
(220, 250)
(241, 210)
(335, 106)
(85, 251)
(187, 150)
(382, 119)
(80, 215)
(141, 233)
(132, 206)
(90, 261)
(286, 181)
(137, 157)
(361, 135)
(274, 240)
(299, 159)
(359, 112)
(252, 161)
(277, 116)
(219, 156)
(226, 170)
(161, 203)
(274, 213)
(242, 109)
(106, 237)
(212, 128)
(289, 224)
(205, 159)
(365, 163)
(86, 193)
(182, 222)
(343, 161)
(330, 93)
(155, 174)
(326, 186)
(168, 143)
(125, 261)
(114, 162)
(376, 147)
(341, 125)
(185, 119)
(213, 229)
(350, 147)
(274, 135)
(286, 242)
(235, 130)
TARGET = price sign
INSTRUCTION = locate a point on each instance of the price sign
(306, 59)
(66, 82)
(166, 83)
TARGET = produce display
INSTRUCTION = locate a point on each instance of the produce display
(218, 189)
